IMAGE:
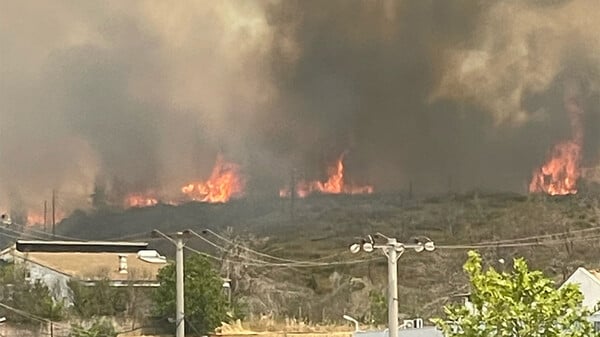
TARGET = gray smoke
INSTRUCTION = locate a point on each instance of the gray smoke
(142, 96)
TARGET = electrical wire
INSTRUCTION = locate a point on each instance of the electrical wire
(324, 264)
(520, 244)
(249, 249)
(542, 236)
(290, 262)
(30, 315)
(10, 236)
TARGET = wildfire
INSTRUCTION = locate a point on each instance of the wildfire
(224, 183)
(140, 200)
(35, 219)
(335, 184)
(560, 173)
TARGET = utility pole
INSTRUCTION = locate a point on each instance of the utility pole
(229, 282)
(392, 256)
(292, 194)
(392, 249)
(179, 314)
(179, 277)
(53, 214)
(45, 215)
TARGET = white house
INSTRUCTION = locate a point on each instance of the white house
(589, 285)
(57, 262)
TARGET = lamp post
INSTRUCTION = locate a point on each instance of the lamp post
(392, 249)
(356, 324)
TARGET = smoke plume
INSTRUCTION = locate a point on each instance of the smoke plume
(143, 96)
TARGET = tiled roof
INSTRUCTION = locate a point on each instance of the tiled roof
(595, 273)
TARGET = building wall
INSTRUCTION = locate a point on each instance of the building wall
(589, 286)
(56, 282)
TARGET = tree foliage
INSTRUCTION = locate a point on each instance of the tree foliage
(516, 303)
(205, 302)
(98, 300)
(377, 307)
(33, 298)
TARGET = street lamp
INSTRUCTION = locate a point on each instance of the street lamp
(356, 324)
(392, 249)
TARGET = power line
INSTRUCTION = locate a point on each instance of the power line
(541, 236)
(294, 262)
(249, 249)
(270, 264)
(30, 315)
(520, 244)
(10, 236)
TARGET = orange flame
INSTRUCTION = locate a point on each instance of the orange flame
(140, 200)
(224, 183)
(334, 185)
(560, 173)
(35, 218)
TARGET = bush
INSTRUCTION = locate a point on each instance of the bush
(99, 328)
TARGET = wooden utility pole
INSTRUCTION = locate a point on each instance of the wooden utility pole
(292, 194)
(45, 215)
(53, 213)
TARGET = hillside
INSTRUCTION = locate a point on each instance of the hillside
(321, 226)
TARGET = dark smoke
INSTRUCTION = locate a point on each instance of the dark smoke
(142, 97)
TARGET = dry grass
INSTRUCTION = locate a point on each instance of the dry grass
(291, 327)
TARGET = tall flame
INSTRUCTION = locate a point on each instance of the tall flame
(224, 183)
(560, 173)
(335, 184)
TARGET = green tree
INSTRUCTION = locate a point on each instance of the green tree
(377, 307)
(205, 302)
(99, 299)
(516, 303)
(33, 298)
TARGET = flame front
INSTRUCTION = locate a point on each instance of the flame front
(560, 173)
(140, 200)
(225, 182)
(335, 184)
(37, 218)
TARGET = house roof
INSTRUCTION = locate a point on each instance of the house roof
(595, 273)
(80, 246)
(92, 266)
(589, 285)
(592, 274)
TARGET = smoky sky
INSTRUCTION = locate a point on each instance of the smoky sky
(143, 95)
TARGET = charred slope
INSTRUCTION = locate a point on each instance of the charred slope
(320, 226)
